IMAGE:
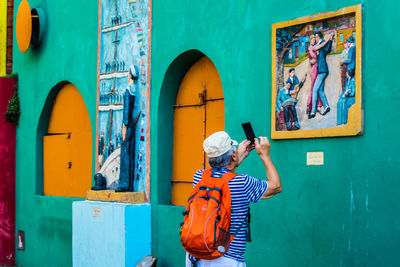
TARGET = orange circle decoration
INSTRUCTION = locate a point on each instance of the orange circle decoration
(24, 26)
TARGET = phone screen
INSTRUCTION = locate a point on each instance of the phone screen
(248, 130)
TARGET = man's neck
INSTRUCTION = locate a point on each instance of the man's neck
(232, 166)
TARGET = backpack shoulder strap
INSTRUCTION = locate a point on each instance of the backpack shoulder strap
(206, 174)
(228, 176)
(248, 232)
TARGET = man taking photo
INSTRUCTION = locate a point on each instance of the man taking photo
(224, 156)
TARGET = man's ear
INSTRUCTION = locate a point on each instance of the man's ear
(233, 156)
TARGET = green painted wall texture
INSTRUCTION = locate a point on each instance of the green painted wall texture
(68, 53)
(344, 213)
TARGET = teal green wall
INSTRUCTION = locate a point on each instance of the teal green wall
(344, 213)
(68, 53)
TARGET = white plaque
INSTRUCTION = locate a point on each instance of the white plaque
(96, 212)
(315, 158)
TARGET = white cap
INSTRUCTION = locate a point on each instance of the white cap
(217, 144)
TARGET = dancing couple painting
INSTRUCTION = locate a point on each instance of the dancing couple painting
(318, 50)
(315, 76)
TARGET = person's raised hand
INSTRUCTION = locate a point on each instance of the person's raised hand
(263, 146)
(244, 149)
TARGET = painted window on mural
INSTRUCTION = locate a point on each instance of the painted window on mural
(317, 92)
(123, 94)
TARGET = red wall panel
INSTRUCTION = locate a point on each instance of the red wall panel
(7, 176)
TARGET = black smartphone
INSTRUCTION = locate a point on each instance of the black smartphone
(248, 130)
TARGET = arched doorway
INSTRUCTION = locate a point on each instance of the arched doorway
(67, 146)
(199, 111)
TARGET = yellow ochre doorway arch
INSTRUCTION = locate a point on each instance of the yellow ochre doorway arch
(67, 147)
(199, 112)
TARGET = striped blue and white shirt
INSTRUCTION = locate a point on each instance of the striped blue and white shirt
(244, 189)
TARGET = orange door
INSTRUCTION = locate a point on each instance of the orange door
(67, 148)
(199, 112)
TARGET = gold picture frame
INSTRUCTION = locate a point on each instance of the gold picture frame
(291, 45)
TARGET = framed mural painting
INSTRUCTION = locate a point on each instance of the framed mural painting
(316, 75)
(123, 95)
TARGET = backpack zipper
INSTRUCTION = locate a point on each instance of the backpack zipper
(215, 231)
(205, 227)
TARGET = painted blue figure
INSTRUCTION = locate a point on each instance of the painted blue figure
(130, 117)
(346, 98)
(287, 104)
(296, 84)
(323, 71)
(292, 78)
(351, 59)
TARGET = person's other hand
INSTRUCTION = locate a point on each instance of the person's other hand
(263, 146)
(244, 149)
(281, 108)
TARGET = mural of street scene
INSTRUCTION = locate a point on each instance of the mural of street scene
(315, 74)
(122, 102)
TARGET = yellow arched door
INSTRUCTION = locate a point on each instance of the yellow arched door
(199, 112)
(67, 147)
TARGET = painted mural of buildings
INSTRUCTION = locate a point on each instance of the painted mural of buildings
(341, 27)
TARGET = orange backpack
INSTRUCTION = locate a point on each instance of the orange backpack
(207, 217)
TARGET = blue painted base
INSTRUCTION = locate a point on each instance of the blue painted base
(110, 234)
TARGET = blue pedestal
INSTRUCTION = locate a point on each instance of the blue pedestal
(110, 234)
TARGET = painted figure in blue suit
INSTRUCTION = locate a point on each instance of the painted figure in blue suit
(323, 71)
(131, 113)
(287, 104)
(294, 80)
(346, 98)
(351, 58)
